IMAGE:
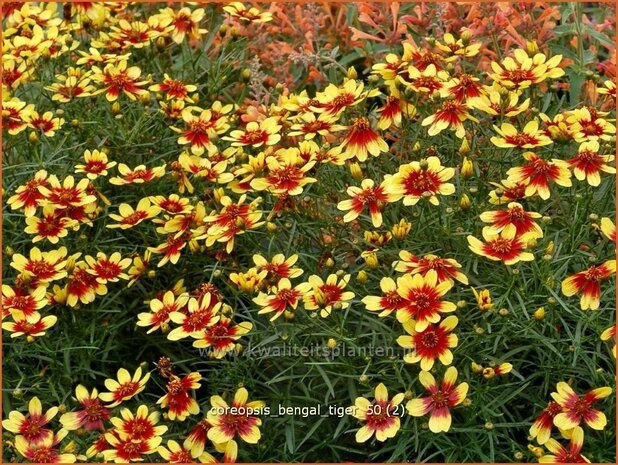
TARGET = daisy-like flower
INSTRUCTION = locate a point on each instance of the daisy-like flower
(415, 180)
(464, 88)
(28, 196)
(256, 134)
(281, 297)
(83, 286)
(579, 408)
(538, 173)
(542, 426)
(422, 299)
(93, 413)
(129, 217)
(557, 128)
(327, 295)
(560, 454)
(41, 267)
(240, 418)
(197, 438)
(394, 109)
(108, 269)
(138, 175)
(45, 123)
(14, 114)
(286, 173)
(362, 140)
(589, 163)
(21, 302)
(66, 194)
(426, 81)
(96, 164)
(434, 342)
(457, 47)
(179, 402)
(370, 195)
(125, 388)
(117, 78)
(452, 114)
(45, 450)
(160, 309)
(250, 281)
(521, 70)
(70, 87)
(333, 99)
(185, 23)
(30, 326)
(30, 426)
(507, 191)
(388, 302)
(222, 336)
(588, 283)
(496, 103)
(588, 124)
(200, 130)
(380, 416)
(175, 453)
(278, 267)
(128, 450)
(506, 246)
(440, 399)
(200, 314)
(250, 15)
(608, 89)
(309, 126)
(446, 268)
(608, 228)
(140, 426)
(515, 216)
(607, 335)
(52, 226)
(530, 136)
(174, 89)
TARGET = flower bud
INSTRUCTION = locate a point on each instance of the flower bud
(33, 137)
(467, 168)
(352, 74)
(371, 260)
(331, 343)
(476, 368)
(464, 202)
(464, 149)
(488, 373)
(361, 277)
(116, 109)
(401, 230)
(531, 47)
(539, 313)
(271, 227)
(356, 171)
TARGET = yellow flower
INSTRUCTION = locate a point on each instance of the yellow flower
(379, 417)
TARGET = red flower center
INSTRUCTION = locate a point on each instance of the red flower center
(430, 339)
(519, 140)
(440, 399)
(502, 245)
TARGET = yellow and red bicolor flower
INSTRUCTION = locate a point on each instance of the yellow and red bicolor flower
(278, 267)
(483, 299)
(368, 194)
(45, 123)
(446, 268)
(179, 402)
(589, 163)
(588, 124)
(286, 173)
(250, 281)
(175, 453)
(31, 426)
(21, 302)
(117, 78)
(587, 283)
(335, 99)
(141, 426)
(457, 47)
(388, 302)
(129, 217)
(507, 191)
(108, 269)
(30, 326)
(495, 103)
(607, 335)
(530, 136)
(160, 309)
(41, 267)
(281, 297)
(542, 426)
(380, 416)
(423, 299)
(14, 114)
(125, 387)
(66, 194)
(256, 134)
(45, 450)
(560, 454)
(434, 342)
(93, 413)
(52, 226)
(608, 228)
(394, 109)
(327, 295)
(83, 286)
(608, 89)
(521, 70)
(515, 216)
(426, 81)
(506, 246)
(96, 164)
(195, 441)
(174, 89)
(361, 140)
(128, 450)
(70, 87)
(28, 196)
(200, 314)
(579, 408)
(250, 15)
(538, 173)
(238, 419)
(415, 180)
(452, 114)
(138, 175)
(440, 399)
(172, 204)
(222, 336)
(184, 22)
(309, 126)
(464, 88)
(200, 130)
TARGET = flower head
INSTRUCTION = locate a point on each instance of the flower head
(124, 387)
(238, 419)
(434, 342)
(588, 283)
(380, 416)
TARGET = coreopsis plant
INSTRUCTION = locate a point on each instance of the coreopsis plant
(319, 204)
